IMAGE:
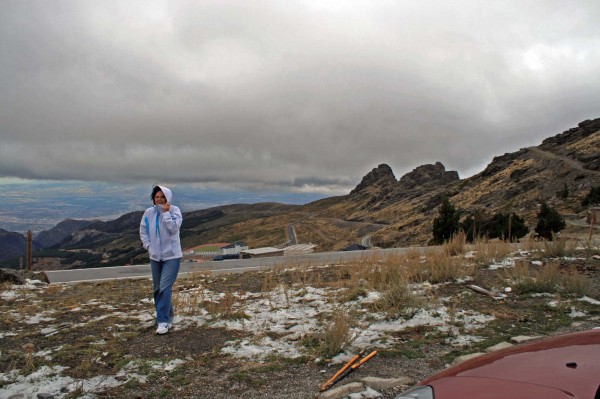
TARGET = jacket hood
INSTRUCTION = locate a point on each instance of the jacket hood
(167, 192)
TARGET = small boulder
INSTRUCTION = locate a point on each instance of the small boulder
(379, 384)
(464, 358)
(499, 346)
(523, 338)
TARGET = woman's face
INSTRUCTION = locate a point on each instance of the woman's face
(159, 198)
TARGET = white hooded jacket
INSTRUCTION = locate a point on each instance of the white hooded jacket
(159, 230)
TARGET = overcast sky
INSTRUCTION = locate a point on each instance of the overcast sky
(288, 95)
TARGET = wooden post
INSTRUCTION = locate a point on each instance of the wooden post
(29, 240)
(510, 227)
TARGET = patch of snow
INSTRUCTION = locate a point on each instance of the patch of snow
(44, 380)
(8, 334)
(8, 295)
(435, 317)
(38, 318)
(462, 280)
(342, 358)
(537, 263)
(170, 366)
(372, 296)
(589, 300)
(34, 283)
(261, 350)
(367, 338)
(45, 354)
(575, 313)
(508, 262)
(368, 393)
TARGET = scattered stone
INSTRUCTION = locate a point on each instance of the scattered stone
(464, 358)
(12, 276)
(481, 290)
(523, 338)
(380, 384)
(17, 396)
(21, 277)
(498, 346)
(48, 331)
(342, 391)
(45, 396)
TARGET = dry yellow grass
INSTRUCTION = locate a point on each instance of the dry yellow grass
(337, 334)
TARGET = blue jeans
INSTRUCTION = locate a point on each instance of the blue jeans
(164, 274)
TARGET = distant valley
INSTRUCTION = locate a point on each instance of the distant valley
(39, 206)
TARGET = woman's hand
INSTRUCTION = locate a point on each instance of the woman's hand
(166, 207)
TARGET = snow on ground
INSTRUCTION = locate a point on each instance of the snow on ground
(507, 262)
(589, 300)
(289, 314)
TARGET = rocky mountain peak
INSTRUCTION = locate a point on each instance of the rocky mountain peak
(583, 129)
(426, 175)
(379, 176)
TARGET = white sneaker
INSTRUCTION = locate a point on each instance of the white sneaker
(163, 328)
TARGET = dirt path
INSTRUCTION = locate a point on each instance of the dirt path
(571, 162)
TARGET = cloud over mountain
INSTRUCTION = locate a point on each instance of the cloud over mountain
(299, 96)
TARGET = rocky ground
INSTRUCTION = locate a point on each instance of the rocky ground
(262, 334)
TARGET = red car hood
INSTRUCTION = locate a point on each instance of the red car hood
(561, 365)
(485, 388)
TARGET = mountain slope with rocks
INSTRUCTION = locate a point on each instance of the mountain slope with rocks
(517, 182)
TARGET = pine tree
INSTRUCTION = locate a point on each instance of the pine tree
(501, 225)
(446, 224)
(549, 222)
(593, 197)
(503, 222)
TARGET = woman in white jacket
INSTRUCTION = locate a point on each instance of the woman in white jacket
(159, 232)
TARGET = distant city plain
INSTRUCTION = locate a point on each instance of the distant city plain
(40, 205)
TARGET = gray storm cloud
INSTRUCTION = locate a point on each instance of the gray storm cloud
(292, 94)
